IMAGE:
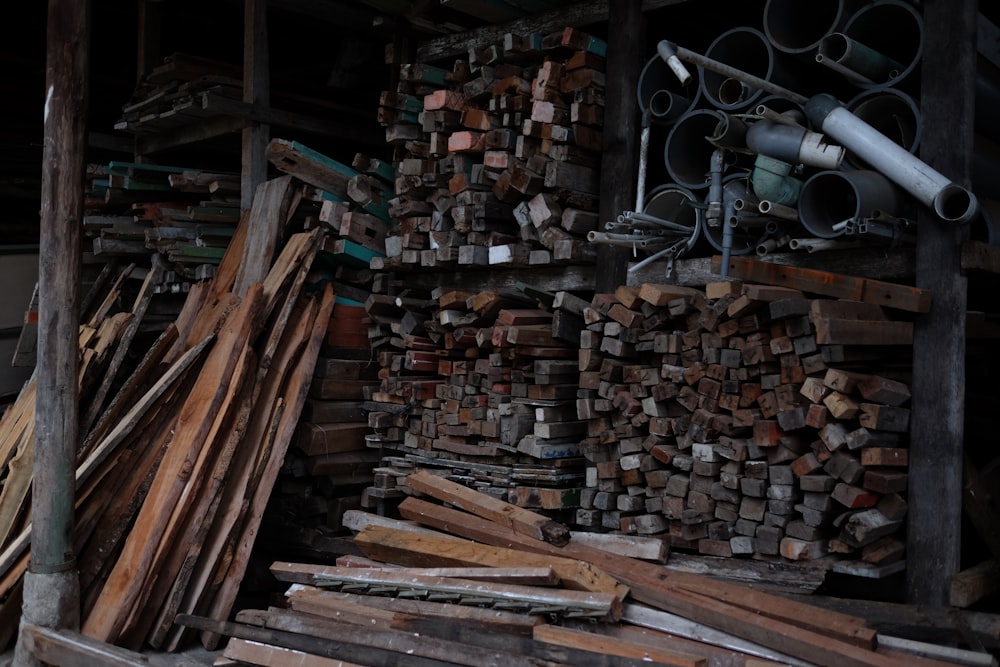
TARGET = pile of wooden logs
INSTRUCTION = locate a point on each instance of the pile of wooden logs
(465, 579)
(745, 419)
(497, 159)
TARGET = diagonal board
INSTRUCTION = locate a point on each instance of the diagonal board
(911, 299)
(205, 404)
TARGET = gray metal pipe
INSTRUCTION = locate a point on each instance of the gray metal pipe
(736, 187)
(661, 94)
(865, 64)
(830, 197)
(796, 145)
(891, 112)
(949, 200)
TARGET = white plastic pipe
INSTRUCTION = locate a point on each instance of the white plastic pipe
(949, 200)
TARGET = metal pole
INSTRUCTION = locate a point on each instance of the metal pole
(51, 584)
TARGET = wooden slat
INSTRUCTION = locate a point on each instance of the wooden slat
(518, 519)
(588, 641)
(66, 648)
(891, 295)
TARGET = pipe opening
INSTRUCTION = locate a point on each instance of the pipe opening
(661, 94)
(746, 49)
(829, 198)
(955, 204)
(794, 26)
(894, 29)
(687, 151)
(743, 237)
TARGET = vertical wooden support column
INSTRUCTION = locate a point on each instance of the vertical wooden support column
(256, 90)
(51, 584)
(147, 38)
(938, 403)
(620, 159)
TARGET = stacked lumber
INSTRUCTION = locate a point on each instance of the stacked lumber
(179, 452)
(465, 579)
(178, 93)
(753, 431)
(744, 419)
(497, 158)
(486, 387)
(188, 216)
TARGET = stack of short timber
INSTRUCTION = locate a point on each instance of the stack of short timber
(179, 451)
(497, 158)
(486, 388)
(743, 419)
(188, 216)
(465, 579)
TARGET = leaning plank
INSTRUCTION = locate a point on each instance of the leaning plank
(265, 225)
(516, 518)
(910, 299)
(310, 166)
(466, 591)
(124, 585)
(589, 641)
(263, 480)
(525, 576)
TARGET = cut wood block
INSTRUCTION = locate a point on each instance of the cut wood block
(877, 389)
(444, 99)
(795, 549)
(885, 456)
(840, 405)
(975, 583)
(884, 418)
(854, 497)
(653, 549)
(661, 295)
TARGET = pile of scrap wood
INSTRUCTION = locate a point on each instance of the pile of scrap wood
(178, 453)
(743, 419)
(471, 580)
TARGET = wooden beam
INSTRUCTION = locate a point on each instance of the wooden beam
(256, 92)
(938, 407)
(68, 648)
(620, 154)
(52, 585)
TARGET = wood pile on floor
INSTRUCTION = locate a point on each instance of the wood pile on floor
(180, 450)
(745, 419)
(466, 579)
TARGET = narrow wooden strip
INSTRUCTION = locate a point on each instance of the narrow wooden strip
(910, 299)
(517, 518)
(72, 649)
(589, 641)
(265, 655)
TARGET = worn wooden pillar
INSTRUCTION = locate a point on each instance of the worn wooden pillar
(620, 158)
(938, 403)
(51, 584)
(256, 90)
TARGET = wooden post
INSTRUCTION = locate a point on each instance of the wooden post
(256, 90)
(148, 38)
(51, 584)
(938, 410)
(620, 157)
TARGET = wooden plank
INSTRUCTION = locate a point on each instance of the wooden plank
(247, 651)
(891, 295)
(423, 550)
(265, 224)
(67, 648)
(796, 630)
(518, 519)
(589, 641)
(206, 403)
(947, 95)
